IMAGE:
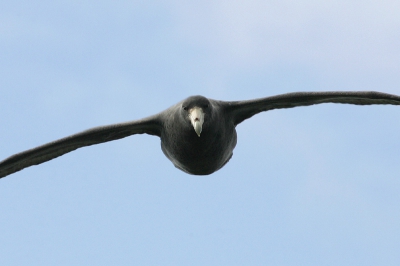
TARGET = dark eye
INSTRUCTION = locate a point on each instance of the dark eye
(206, 106)
(185, 108)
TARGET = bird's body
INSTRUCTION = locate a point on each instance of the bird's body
(198, 134)
(199, 155)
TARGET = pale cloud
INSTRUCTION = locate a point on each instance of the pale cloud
(342, 34)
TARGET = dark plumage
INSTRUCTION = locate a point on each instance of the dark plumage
(198, 134)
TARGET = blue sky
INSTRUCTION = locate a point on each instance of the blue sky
(306, 186)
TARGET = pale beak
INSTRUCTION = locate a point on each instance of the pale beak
(196, 116)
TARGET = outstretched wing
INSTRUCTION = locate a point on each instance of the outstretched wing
(49, 151)
(242, 110)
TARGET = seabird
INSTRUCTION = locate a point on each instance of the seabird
(197, 134)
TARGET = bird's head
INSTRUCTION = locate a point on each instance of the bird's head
(196, 109)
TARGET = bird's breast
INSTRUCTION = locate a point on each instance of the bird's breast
(199, 155)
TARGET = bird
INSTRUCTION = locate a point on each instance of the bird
(197, 135)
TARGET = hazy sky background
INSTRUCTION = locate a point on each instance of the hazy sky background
(306, 186)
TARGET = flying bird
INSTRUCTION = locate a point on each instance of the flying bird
(197, 134)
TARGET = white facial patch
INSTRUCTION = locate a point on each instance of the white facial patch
(196, 116)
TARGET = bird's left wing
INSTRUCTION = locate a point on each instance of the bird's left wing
(242, 110)
(151, 125)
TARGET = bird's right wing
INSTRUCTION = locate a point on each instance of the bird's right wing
(151, 125)
(242, 110)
